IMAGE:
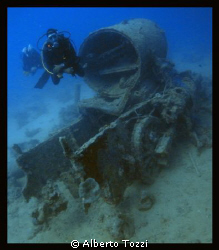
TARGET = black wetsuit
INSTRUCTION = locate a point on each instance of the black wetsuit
(31, 59)
(63, 54)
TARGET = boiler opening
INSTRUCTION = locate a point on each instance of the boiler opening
(110, 58)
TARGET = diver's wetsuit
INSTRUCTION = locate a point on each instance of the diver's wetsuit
(31, 59)
(64, 54)
(58, 52)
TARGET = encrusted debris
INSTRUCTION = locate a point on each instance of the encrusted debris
(124, 134)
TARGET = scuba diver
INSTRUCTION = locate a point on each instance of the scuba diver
(31, 60)
(58, 56)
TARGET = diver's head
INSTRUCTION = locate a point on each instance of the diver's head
(29, 48)
(51, 32)
(52, 35)
(24, 50)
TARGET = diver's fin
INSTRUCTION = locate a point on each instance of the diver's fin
(56, 79)
(43, 80)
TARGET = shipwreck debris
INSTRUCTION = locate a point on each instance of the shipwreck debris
(126, 132)
(52, 202)
(17, 149)
(147, 201)
(89, 192)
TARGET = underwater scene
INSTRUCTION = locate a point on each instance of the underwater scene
(109, 125)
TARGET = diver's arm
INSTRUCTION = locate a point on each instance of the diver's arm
(36, 59)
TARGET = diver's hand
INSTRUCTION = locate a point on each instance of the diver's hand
(57, 68)
(60, 75)
(69, 70)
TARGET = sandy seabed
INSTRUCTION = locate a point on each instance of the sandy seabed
(182, 212)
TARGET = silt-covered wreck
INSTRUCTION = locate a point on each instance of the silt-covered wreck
(123, 134)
